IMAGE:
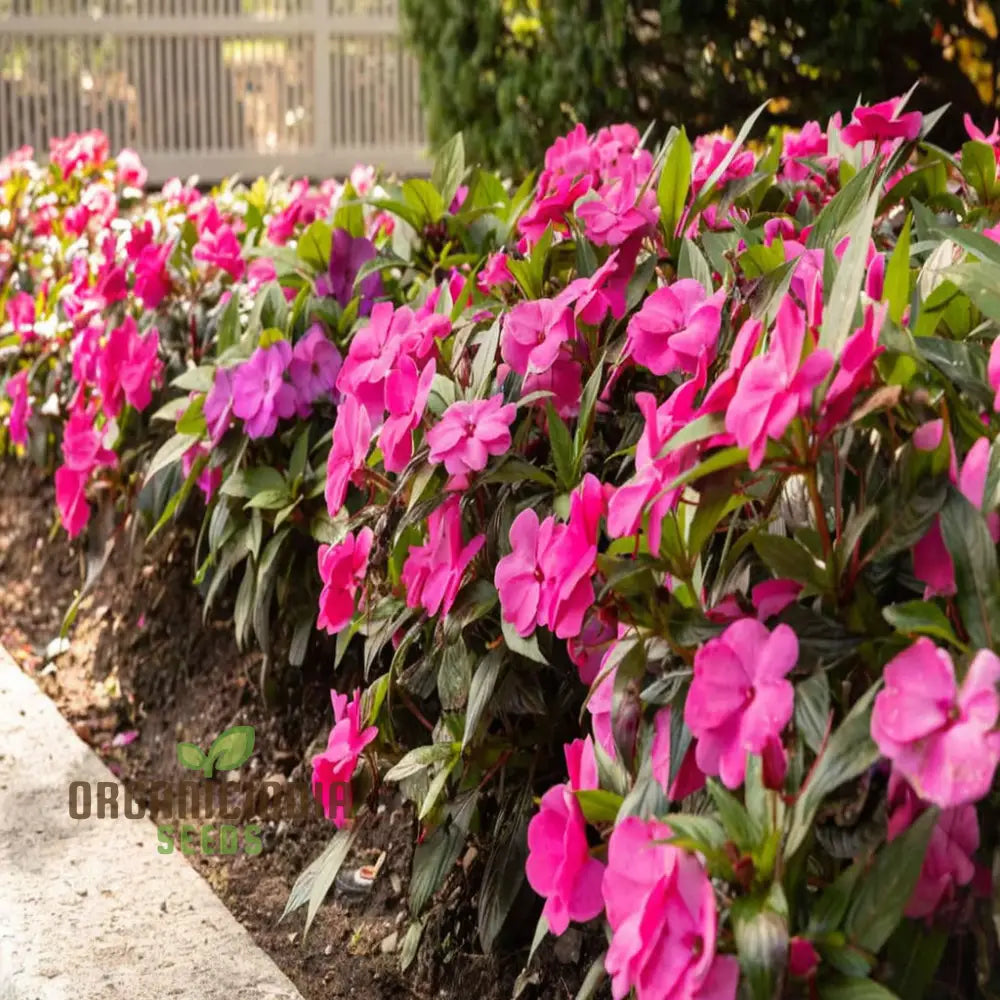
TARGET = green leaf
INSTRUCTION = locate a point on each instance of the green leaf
(812, 708)
(674, 184)
(849, 752)
(454, 676)
(588, 400)
(692, 264)
(436, 856)
(977, 578)
(592, 981)
(449, 168)
(484, 682)
(524, 646)
(562, 448)
(707, 425)
(979, 168)
(420, 758)
(914, 954)
(190, 756)
(232, 748)
(737, 822)
(598, 805)
(424, 199)
(168, 453)
(317, 880)
(920, 618)
(838, 312)
(706, 190)
(200, 379)
(786, 557)
(504, 872)
(844, 988)
(887, 886)
(314, 246)
(896, 289)
(831, 906)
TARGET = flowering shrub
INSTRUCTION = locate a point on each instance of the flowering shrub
(663, 487)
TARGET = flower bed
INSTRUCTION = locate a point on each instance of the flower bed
(663, 485)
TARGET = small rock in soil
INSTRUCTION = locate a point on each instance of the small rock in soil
(388, 944)
(567, 947)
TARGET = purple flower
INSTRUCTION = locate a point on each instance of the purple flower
(314, 367)
(347, 254)
(261, 396)
(218, 408)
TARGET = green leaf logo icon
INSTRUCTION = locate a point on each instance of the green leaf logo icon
(230, 750)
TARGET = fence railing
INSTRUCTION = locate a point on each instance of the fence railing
(215, 87)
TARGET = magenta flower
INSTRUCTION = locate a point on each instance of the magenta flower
(568, 561)
(855, 368)
(210, 477)
(604, 291)
(130, 169)
(675, 327)
(739, 699)
(564, 380)
(16, 388)
(82, 445)
(939, 735)
(803, 959)
(587, 649)
(661, 909)
(261, 396)
(342, 568)
(128, 367)
(469, 432)
(406, 393)
(617, 213)
(519, 577)
(335, 766)
(993, 371)
(352, 436)
(152, 279)
(776, 386)
(314, 367)
(21, 313)
(881, 123)
(709, 152)
(432, 573)
(808, 143)
(218, 407)
(560, 867)
(534, 332)
(222, 249)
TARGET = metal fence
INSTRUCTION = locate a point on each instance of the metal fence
(215, 87)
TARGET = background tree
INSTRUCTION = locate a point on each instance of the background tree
(513, 74)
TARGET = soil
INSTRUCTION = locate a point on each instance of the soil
(141, 672)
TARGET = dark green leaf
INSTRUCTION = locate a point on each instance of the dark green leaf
(812, 708)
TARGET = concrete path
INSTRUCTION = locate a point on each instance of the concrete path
(88, 909)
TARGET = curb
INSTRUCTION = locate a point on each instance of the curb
(89, 909)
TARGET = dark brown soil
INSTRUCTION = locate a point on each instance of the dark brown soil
(140, 659)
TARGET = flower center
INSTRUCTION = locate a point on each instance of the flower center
(539, 575)
(470, 429)
(749, 694)
(954, 714)
(697, 946)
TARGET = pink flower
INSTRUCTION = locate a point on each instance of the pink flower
(615, 214)
(880, 123)
(433, 572)
(993, 371)
(352, 435)
(563, 380)
(71, 499)
(82, 446)
(17, 421)
(130, 169)
(559, 865)
(739, 698)
(534, 332)
(152, 279)
(261, 395)
(932, 562)
(809, 143)
(342, 568)
(948, 863)
(519, 578)
(600, 704)
(21, 313)
(495, 272)
(469, 432)
(406, 394)
(604, 291)
(568, 562)
(661, 909)
(314, 367)
(218, 406)
(974, 132)
(675, 327)
(689, 778)
(222, 249)
(939, 735)
(128, 367)
(709, 152)
(335, 766)
(210, 477)
(855, 369)
(776, 386)
(587, 649)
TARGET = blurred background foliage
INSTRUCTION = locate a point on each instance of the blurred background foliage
(514, 74)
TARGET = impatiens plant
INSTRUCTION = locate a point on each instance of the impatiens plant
(663, 490)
